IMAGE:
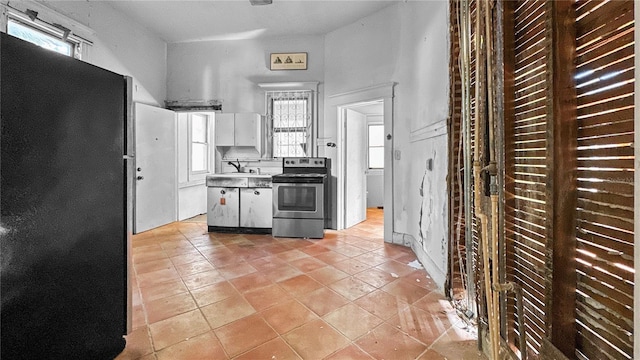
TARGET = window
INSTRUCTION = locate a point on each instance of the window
(290, 115)
(39, 38)
(199, 140)
(376, 146)
(27, 26)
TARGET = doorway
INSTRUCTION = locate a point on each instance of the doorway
(363, 165)
(338, 105)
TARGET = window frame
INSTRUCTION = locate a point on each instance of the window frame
(196, 175)
(369, 146)
(18, 13)
(308, 129)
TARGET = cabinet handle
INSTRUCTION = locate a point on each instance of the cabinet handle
(140, 177)
(256, 192)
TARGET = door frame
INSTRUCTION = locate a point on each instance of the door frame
(337, 103)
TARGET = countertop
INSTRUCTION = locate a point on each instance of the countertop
(239, 180)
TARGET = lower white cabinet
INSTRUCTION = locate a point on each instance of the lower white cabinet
(232, 207)
(223, 206)
(256, 207)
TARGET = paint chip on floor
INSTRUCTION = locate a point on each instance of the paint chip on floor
(415, 264)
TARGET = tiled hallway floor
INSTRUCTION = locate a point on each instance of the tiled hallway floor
(200, 295)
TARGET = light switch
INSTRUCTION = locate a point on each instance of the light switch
(397, 154)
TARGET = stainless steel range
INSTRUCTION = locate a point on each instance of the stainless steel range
(300, 196)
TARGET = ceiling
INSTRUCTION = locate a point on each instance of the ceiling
(189, 21)
(368, 108)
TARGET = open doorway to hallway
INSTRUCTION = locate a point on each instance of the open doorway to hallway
(363, 164)
(338, 105)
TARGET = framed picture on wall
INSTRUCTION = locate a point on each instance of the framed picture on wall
(288, 61)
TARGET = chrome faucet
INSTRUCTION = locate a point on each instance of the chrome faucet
(237, 166)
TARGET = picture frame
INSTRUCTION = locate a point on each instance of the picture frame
(288, 61)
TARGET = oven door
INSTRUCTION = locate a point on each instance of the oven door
(298, 200)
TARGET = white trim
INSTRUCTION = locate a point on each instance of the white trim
(189, 184)
(292, 85)
(430, 131)
(372, 93)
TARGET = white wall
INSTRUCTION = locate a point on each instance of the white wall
(407, 43)
(230, 70)
(122, 46)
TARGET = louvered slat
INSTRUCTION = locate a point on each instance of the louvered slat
(615, 324)
(601, 268)
(603, 236)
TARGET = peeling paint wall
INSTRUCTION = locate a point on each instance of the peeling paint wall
(407, 43)
(430, 214)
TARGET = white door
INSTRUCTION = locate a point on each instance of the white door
(355, 168)
(155, 158)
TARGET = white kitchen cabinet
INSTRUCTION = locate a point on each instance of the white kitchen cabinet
(248, 130)
(225, 128)
(223, 206)
(256, 207)
(239, 129)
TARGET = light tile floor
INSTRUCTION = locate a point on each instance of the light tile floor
(200, 295)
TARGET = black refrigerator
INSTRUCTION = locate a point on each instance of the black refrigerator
(64, 214)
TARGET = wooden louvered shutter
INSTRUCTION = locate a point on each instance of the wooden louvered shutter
(525, 168)
(457, 253)
(464, 240)
(475, 231)
(605, 110)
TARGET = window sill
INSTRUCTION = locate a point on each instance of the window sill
(191, 183)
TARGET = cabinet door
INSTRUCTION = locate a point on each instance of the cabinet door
(246, 131)
(223, 206)
(256, 207)
(224, 129)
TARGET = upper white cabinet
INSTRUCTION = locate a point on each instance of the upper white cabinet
(225, 129)
(248, 130)
(239, 129)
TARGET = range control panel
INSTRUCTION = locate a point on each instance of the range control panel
(304, 162)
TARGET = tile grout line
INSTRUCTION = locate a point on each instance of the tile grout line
(336, 249)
